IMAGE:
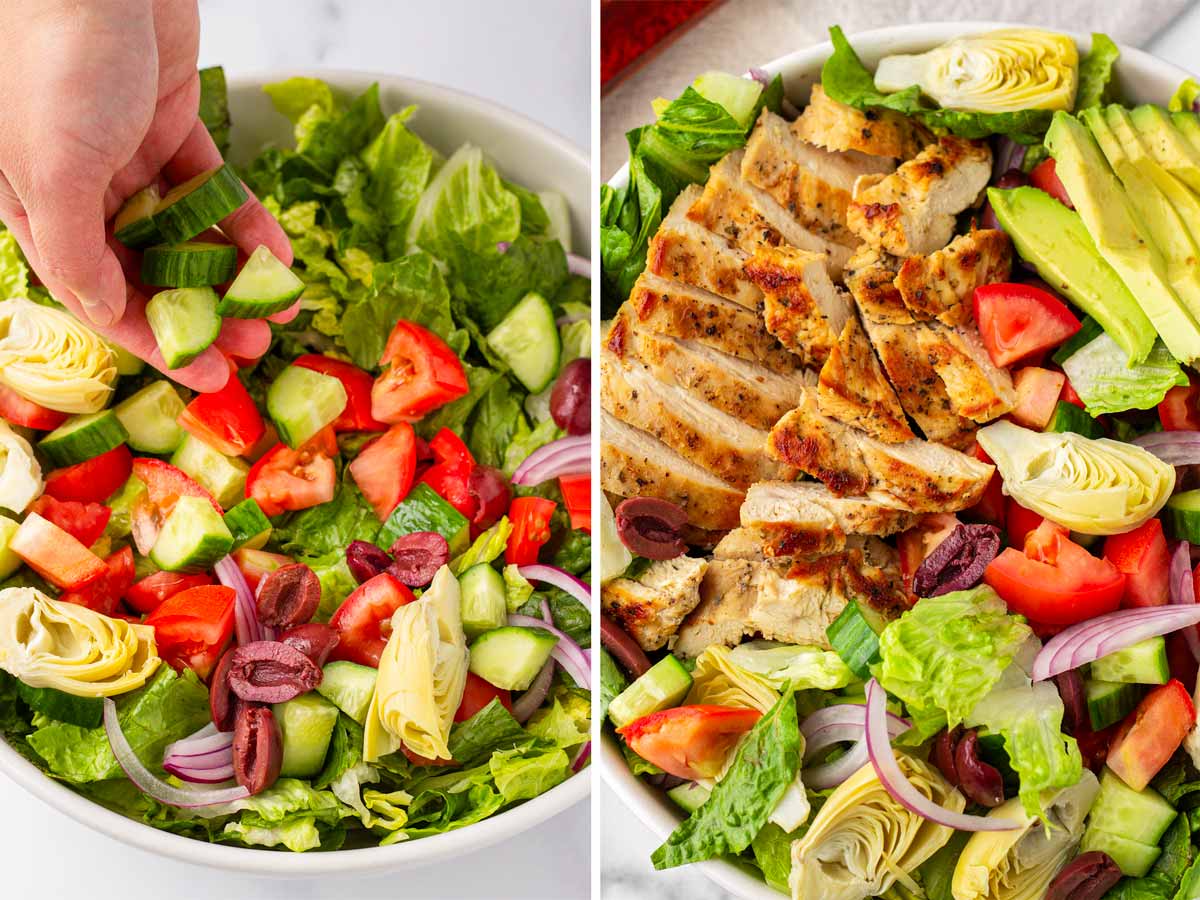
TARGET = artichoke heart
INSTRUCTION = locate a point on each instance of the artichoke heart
(1093, 486)
(48, 643)
(49, 357)
(1019, 864)
(997, 72)
(720, 681)
(20, 473)
(863, 841)
(422, 673)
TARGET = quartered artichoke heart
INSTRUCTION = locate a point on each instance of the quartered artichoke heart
(997, 72)
(46, 643)
(1093, 486)
(422, 673)
(863, 841)
(720, 681)
(1019, 864)
(20, 472)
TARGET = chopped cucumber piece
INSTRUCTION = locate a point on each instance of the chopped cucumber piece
(306, 725)
(214, 105)
(854, 636)
(198, 203)
(1069, 417)
(482, 599)
(127, 363)
(1110, 701)
(150, 415)
(184, 322)
(1141, 816)
(190, 264)
(264, 286)
(559, 213)
(1134, 859)
(663, 685)
(425, 510)
(1183, 516)
(737, 96)
(83, 437)
(222, 476)
(193, 537)
(9, 561)
(86, 712)
(527, 341)
(349, 687)
(249, 525)
(301, 402)
(1143, 663)
(689, 796)
(510, 657)
(134, 224)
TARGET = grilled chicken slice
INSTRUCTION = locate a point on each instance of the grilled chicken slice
(753, 393)
(940, 285)
(690, 313)
(921, 475)
(724, 445)
(651, 606)
(801, 306)
(978, 389)
(687, 252)
(876, 132)
(813, 184)
(750, 218)
(853, 389)
(913, 210)
(636, 464)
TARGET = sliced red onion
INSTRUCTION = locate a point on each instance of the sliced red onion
(1090, 640)
(148, 783)
(763, 77)
(568, 654)
(245, 612)
(561, 579)
(571, 319)
(535, 695)
(582, 758)
(204, 741)
(1183, 590)
(830, 775)
(1175, 448)
(1008, 155)
(879, 751)
(201, 775)
(577, 265)
(839, 723)
(566, 456)
(502, 246)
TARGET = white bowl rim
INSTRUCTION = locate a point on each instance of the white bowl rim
(261, 861)
(649, 804)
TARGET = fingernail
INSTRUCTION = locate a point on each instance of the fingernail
(96, 310)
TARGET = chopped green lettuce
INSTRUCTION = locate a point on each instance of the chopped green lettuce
(566, 723)
(290, 813)
(485, 548)
(804, 668)
(772, 849)
(1185, 97)
(1106, 383)
(612, 681)
(517, 589)
(1096, 73)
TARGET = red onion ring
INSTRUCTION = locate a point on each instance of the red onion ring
(577, 265)
(1090, 640)
(566, 456)
(201, 776)
(1183, 590)
(535, 695)
(203, 742)
(1175, 448)
(582, 758)
(835, 725)
(561, 579)
(245, 612)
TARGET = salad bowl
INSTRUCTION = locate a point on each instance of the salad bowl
(1141, 77)
(521, 150)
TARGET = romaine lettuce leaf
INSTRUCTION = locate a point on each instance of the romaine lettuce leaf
(563, 726)
(1186, 96)
(1106, 383)
(496, 421)
(521, 775)
(437, 811)
(492, 728)
(1095, 72)
(612, 681)
(490, 283)
(329, 527)
(325, 138)
(400, 165)
(14, 273)
(290, 813)
(772, 849)
(485, 548)
(295, 96)
(804, 668)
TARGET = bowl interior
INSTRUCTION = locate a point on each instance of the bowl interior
(1142, 78)
(524, 152)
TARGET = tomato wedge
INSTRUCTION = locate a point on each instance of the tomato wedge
(1045, 177)
(1055, 581)
(689, 741)
(147, 595)
(227, 420)
(286, 479)
(1037, 390)
(356, 416)
(364, 619)
(1019, 320)
(93, 480)
(1019, 522)
(83, 521)
(990, 507)
(16, 410)
(54, 554)
(1151, 734)
(530, 518)
(1180, 408)
(104, 593)
(479, 693)
(257, 564)
(1069, 396)
(165, 484)
(1142, 555)
(421, 374)
(192, 627)
(384, 469)
(577, 497)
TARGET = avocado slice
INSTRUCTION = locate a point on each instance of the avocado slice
(1173, 151)
(1188, 124)
(1119, 235)
(1053, 238)
(1186, 203)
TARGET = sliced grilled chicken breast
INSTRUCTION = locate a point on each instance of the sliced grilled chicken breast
(651, 607)
(876, 132)
(940, 285)
(853, 389)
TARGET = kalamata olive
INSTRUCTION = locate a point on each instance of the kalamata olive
(1013, 178)
(288, 596)
(571, 397)
(1088, 876)
(980, 781)
(271, 672)
(490, 489)
(222, 702)
(957, 563)
(650, 527)
(987, 218)
(257, 747)
(626, 650)
(365, 560)
(314, 639)
(943, 752)
(1075, 713)
(417, 557)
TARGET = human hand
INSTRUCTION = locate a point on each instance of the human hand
(100, 99)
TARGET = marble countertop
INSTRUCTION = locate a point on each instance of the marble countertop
(534, 57)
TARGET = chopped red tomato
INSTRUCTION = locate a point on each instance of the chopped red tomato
(1019, 522)
(689, 741)
(227, 420)
(1069, 396)
(920, 540)
(83, 521)
(93, 480)
(1055, 581)
(1142, 555)
(1093, 745)
(286, 479)
(448, 447)
(192, 627)
(104, 593)
(16, 410)
(577, 497)
(165, 484)
(990, 507)
(54, 554)
(1180, 408)
(1151, 734)
(257, 564)
(364, 619)
(1018, 320)
(1045, 177)
(450, 474)
(356, 416)
(1181, 662)
(384, 469)
(148, 594)
(478, 694)
(421, 373)
(270, 437)
(530, 518)
(1037, 395)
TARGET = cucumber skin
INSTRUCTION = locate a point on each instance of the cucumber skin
(216, 198)
(210, 539)
(476, 588)
(248, 524)
(1143, 663)
(306, 724)
(299, 386)
(537, 643)
(166, 265)
(68, 445)
(236, 305)
(141, 438)
(854, 640)
(1183, 516)
(1119, 699)
(139, 234)
(662, 686)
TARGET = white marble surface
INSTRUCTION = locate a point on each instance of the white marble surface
(625, 844)
(530, 55)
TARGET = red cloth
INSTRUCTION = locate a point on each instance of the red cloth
(629, 28)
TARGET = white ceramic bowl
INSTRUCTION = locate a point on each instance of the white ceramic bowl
(524, 152)
(1142, 78)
